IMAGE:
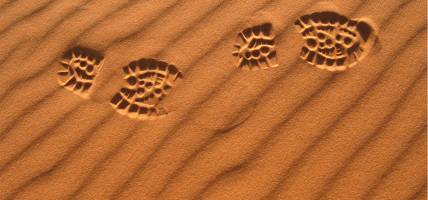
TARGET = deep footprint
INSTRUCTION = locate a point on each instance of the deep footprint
(148, 81)
(332, 41)
(256, 48)
(79, 68)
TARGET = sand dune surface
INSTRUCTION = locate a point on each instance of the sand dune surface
(213, 99)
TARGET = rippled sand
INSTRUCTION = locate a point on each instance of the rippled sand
(290, 131)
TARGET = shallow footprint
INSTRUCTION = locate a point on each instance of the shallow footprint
(79, 68)
(148, 81)
(256, 48)
(332, 41)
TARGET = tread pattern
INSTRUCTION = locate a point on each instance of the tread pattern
(332, 41)
(256, 49)
(148, 81)
(79, 68)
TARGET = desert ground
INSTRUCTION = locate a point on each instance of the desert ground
(294, 129)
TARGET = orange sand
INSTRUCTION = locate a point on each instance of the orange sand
(292, 131)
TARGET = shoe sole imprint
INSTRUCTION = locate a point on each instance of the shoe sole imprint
(148, 81)
(256, 48)
(79, 68)
(332, 41)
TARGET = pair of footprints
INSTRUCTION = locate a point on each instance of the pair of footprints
(147, 82)
(332, 42)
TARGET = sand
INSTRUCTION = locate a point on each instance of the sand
(293, 129)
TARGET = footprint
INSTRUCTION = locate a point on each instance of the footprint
(256, 48)
(332, 41)
(79, 68)
(148, 81)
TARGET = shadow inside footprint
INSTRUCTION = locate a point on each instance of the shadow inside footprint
(79, 68)
(147, 82)
(256, 48)
(332, 41)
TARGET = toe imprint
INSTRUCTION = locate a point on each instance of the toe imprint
(332, 41)
(79, 68)
(256, 48)
(147, 82)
